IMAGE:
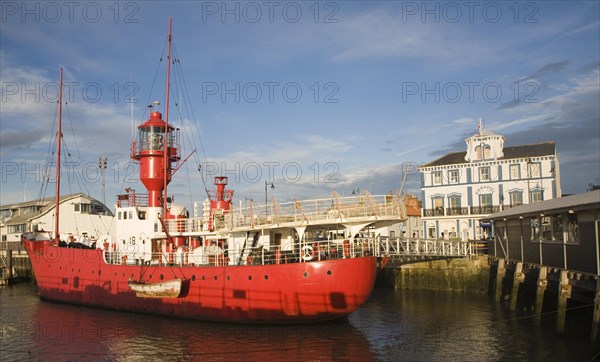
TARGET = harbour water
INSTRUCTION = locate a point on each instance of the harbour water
(391, 326)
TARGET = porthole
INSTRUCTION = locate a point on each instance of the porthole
(99, 272)
(162, 277)
(329, 272)
(203, 277)
(305, 274)
(215, 277)
(266, 277)
(193, 277)
(249, 277)
(228, 277)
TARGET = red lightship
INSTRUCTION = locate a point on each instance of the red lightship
(297, 262)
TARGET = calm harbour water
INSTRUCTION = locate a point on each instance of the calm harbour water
(411, 325)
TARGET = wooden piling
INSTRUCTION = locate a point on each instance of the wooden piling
(9, 264)
(518, 278)
(596, 318)
(542, 283)
(500, 273)
(564, 293)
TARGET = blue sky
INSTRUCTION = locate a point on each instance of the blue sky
(325, 96)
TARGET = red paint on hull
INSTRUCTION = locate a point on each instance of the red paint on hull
(284, 293)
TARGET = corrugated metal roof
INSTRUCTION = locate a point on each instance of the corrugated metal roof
(534, 150)
(587, 200)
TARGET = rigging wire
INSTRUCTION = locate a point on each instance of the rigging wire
(49, 156)
(191, 117)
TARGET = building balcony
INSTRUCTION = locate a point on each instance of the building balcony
(469, 210)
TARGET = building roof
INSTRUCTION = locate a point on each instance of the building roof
(47, 204)
(413, 211)
(586, 200)
(485, 133)
(533, 150)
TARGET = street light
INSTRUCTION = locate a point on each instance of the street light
(266, 200)
(356, 192)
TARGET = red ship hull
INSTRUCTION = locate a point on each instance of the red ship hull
(302, 292)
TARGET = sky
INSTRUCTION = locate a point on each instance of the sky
(313, 97)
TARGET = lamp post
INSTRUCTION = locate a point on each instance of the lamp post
(102, 166)
(266, 200)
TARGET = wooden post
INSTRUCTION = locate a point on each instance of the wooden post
(542, 283)
(499, 279)
(518, 278)
(564, 292)
(9, 264)
(596, 317)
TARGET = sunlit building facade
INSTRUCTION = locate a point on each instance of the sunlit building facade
(461, 188)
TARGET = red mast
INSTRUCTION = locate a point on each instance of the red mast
(157, 149)
(58, 145)
(166, 156)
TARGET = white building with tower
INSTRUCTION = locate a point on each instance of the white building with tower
(461, 188)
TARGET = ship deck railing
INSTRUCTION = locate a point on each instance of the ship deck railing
(213, 253)
(333, 210)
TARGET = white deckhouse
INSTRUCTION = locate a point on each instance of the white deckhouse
(461, 188)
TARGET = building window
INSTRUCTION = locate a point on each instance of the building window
(437, 177)
(552, 228)
(536, 196)
(485, 203)
(438, 206)
(454, 204)
(572, 229)
(535, 170)
(535, 228)
(516, 198)
(515, 172)
(557, 229)
(453, 176)
(16, 229)
(486, 152)
(484, 174)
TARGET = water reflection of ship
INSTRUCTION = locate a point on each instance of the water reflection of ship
(59, 331)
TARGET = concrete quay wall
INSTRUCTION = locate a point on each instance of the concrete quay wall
(467, 275)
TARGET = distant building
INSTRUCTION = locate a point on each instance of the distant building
(461, 188)
(412, 226)
(79, 213)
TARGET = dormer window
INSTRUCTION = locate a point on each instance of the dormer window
(486, 152)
